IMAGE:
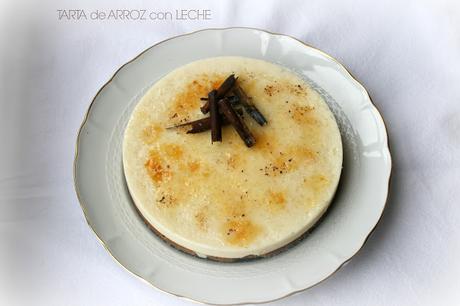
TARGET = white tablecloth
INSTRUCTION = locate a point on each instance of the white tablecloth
(407, 53)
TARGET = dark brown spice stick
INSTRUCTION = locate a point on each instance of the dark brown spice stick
(221, 91)
(216, 130)
(203, 125)
(226, 86)
(200, 125)
(192, 123)
(239, 125)
(235, 98)
(183, 124)
(248, 106)
(205, 108)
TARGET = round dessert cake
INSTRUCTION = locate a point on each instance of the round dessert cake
(225, 200)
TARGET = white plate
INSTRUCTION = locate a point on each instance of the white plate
(357, 207)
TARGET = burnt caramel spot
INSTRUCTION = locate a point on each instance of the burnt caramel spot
(201, 219)
(287, 160)
(317, 183)
(187, 101)
(173, 151)
(166, 200)
(304, 154)
(270, 90)
(206, 172)
(233, 161)
(277, 166)
(241, 232)
(194, 170)
(155, 167)
(275, 87)
(303, 114)
(234, 209)
(297, 89)
(265, 142)
(193, 166)
(276, 199)
(151, 133)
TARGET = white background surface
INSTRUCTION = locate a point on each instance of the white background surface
(407, 54)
